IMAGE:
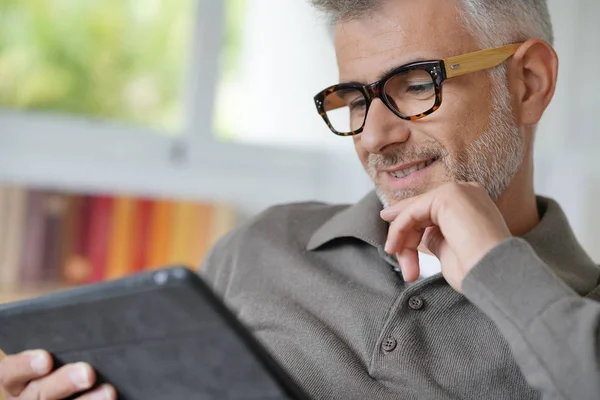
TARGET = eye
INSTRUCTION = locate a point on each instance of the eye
(420, 88)
(357, 104)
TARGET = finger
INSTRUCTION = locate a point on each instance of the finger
(409, 264)
(17, 370)
(405, 244)
(103, 392)
(408, 227)
(408, 257)
(64, 382)
(390, 213)
(400, 239)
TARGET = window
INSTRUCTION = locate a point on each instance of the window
(277, 56)
(120, 60)
(199, 98)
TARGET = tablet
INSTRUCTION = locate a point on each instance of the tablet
(155, 335)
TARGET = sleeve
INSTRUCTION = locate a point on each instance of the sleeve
(553, 332)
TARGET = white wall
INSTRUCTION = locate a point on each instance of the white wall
(569, 135)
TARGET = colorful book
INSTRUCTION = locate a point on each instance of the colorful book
(47, 236)
(99, 231)
(33, 238)
(10, 265)
(182, 227)
(55, 210)
(77, 266)
(194, 236)
(160, 234)
(204, 225)
(140, 241)
(120, 260)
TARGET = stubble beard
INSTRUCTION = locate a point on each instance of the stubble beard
(492, 160)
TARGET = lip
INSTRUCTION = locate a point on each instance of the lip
(409, 181)
(406, 166)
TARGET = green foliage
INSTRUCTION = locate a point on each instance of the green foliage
(117, 59)
(235, 11)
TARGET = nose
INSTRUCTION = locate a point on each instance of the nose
(382, 129)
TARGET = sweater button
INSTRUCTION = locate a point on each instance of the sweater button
(415, 302)
(389, 344)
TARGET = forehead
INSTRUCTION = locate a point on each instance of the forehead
(400, 31)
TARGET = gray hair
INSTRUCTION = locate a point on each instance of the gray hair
(492, 22)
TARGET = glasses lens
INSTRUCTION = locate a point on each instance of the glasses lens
(411, 92)
(345, 109)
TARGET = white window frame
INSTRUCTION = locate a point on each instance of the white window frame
(73, 153)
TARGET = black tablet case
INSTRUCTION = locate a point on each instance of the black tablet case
(155, 335)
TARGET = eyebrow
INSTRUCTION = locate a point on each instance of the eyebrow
(390, 70)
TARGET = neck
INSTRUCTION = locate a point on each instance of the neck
(518, 203)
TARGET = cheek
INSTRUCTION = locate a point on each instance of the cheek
(363, 155)
(464, 115)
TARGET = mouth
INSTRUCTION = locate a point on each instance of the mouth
(410, 169)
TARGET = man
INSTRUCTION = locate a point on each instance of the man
(340, 294)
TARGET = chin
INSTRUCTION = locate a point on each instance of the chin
(389, 198)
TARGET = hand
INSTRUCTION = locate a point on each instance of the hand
(29, 376)
(458, 222)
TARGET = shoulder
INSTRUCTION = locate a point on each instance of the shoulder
(595, 293)
(279, 232)
(294, 221)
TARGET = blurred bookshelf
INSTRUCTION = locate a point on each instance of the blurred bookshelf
(52, 240)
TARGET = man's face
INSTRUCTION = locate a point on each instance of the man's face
(472, 137)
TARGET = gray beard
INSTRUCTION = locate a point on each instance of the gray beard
(492, 160)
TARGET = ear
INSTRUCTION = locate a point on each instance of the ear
(533, 72)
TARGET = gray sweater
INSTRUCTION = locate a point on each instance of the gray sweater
(314, 285)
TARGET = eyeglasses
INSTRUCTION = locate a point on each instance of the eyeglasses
(411, 91)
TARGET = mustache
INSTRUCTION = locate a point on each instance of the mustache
(403, 155)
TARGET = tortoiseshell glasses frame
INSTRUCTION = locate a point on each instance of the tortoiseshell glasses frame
(439, 70)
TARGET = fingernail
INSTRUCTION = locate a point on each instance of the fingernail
(387, 248)
(40, 362)
(106, 393)
(80, 375)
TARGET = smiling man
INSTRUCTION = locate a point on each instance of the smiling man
(442, 99)
(452, 280)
